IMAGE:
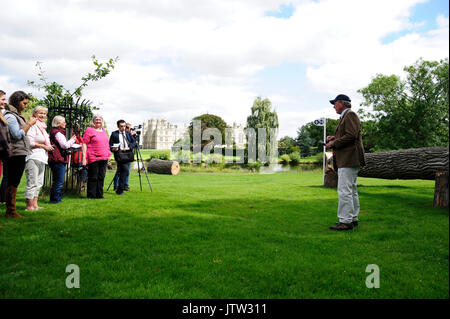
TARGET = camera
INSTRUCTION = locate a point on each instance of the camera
(137, 129)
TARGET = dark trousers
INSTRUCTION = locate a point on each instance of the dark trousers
(96, 179)
(58, 171)
(4, 181)
(15, 167)
(122, 171)
(116, 177)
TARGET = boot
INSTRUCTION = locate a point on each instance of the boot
(30, 204)
(11, 212)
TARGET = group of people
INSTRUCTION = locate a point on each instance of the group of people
(25, 146)
(97, 148)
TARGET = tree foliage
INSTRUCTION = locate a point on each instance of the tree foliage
(55, 90)
(287, 145)
(304, 141)
(262, 116)
(208, 121)
(408, 113)
(309, 135)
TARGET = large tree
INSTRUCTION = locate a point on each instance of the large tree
(208, 121)
(262, 116)
(309, 135)
(304, 141)
(408, 113)
(286, 145)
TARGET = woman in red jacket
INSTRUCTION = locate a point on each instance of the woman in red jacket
(57, 159)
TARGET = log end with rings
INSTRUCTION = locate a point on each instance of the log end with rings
(158, 166)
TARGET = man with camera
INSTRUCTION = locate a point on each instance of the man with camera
(122, 144)
(132, 131)
(348, 157)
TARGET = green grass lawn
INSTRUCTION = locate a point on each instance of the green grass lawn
(229, 236)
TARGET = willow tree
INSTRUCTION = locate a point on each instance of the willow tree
(262, 117)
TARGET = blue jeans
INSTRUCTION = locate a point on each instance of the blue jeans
(116, 177)
(58, 170)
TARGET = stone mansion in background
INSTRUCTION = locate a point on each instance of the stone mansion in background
(160, 134)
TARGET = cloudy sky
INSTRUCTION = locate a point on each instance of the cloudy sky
(183, 58)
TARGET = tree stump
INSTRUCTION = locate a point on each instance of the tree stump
(331, 179)
(158, 166)
(441, 190)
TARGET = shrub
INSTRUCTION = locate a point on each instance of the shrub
(295, 149)
(182, 157)
(160, 154)
(213, 158)
(295, 158)
(254, 166)
(285, 159)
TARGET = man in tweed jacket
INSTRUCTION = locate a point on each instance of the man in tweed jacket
(348, 157)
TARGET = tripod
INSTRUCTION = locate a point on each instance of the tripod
(140, 161)
(138, 154)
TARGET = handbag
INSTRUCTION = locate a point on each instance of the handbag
(124, 156)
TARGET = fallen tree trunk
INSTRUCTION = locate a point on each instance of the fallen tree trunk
(415, 163)
(158, 166)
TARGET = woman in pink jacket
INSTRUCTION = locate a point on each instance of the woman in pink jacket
(95, 155)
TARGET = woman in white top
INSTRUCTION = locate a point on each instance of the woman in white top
(36, 161)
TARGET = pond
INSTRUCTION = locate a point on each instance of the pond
(272, 168)
(279, 168)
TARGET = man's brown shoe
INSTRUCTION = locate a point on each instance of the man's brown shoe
(354, 223)
(342, 226)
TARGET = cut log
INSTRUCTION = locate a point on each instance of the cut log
(158, 166)
(331, 179)
(415, 163)
(441, 190)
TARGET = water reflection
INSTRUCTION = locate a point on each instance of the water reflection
(271, 169)
(278, 168)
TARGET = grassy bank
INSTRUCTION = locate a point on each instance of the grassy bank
(229, 236)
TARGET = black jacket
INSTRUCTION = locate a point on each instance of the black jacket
(114, 139)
